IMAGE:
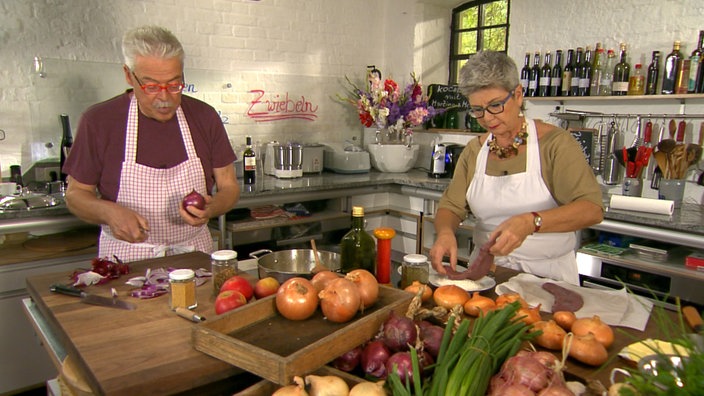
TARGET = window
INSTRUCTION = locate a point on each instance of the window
(477, 25)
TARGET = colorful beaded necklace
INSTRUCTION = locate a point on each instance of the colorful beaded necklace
(506, 152)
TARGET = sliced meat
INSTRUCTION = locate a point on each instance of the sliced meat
(565, 299)
(479, 267)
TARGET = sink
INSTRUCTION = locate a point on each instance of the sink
(393, 158)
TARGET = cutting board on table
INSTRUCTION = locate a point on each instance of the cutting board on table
(64, 241)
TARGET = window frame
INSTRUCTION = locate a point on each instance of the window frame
(455, 56)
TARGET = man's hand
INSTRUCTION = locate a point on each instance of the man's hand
(127, 225)
(195, 216)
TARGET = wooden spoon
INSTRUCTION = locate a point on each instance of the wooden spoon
(319, 267)
(661, 160)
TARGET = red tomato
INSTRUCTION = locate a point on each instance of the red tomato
(240, 284)
(229, 300)
(266, 287)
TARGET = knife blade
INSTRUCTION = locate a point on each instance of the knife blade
(691, 315)
(92, 298)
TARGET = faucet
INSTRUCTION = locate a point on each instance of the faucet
(408, 137)
(377, 137)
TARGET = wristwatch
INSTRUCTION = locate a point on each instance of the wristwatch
(537, 221)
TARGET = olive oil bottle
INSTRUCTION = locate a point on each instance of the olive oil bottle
(357, 248)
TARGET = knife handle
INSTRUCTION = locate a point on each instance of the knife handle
(65, 289)
(691, 315)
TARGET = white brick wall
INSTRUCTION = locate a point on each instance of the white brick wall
(303, 47)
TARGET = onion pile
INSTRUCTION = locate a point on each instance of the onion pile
(529, 373)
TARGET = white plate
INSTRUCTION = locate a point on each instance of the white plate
(436, 279)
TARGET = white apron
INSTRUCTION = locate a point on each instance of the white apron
(156, 195)
(493, 199)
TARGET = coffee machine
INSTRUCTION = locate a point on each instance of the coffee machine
(438, 161)
(443, 159)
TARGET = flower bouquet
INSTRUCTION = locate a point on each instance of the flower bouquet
(384, 105)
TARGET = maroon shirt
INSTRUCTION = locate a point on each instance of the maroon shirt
(99, 147)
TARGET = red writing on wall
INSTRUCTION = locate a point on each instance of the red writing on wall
(280, 108)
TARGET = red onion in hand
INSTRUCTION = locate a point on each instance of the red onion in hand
(399, 332)
(374, 357)
(194, 199)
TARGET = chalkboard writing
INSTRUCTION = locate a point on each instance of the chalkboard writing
(446, 97)
(585, 138)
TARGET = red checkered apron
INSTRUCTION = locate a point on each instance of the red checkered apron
(156, 195)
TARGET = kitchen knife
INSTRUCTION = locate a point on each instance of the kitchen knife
(691, 315)
(92, 298)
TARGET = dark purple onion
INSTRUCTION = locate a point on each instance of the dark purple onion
(432, 337)
(194, 199)
(403, 366)
(349, 360)
(374, 357)
(399, 332)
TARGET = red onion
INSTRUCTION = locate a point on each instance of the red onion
(374, 357)
(526, 371)
(194, 199)
(432, 337)
(401, 364)
(399, 332)
(349, 360)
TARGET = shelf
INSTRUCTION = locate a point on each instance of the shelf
(681, 98)
(254, 225)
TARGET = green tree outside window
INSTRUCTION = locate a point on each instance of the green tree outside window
(477, 25)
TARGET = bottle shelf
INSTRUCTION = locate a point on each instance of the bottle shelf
(681, 98)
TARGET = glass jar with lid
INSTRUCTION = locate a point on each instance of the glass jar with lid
(183, 289)
(223, 265)
(414, 268)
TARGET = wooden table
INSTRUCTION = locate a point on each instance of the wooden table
(623, 336)
(149, 350)
(145, 351)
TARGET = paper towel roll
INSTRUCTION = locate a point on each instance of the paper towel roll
(659, 206)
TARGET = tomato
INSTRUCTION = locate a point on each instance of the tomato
(266, 287)
(229, 300)
(240, 284)
(297, 299)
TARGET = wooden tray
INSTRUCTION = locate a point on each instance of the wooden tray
(259, 340)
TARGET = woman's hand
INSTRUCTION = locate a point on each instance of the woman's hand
(195, 216)
(445, 245)
(511, 233)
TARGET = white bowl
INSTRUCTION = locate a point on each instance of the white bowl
(393, 158)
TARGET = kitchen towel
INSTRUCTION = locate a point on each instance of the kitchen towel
(658, 206)
(615, 307)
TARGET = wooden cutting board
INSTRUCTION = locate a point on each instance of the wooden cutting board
(64, 241)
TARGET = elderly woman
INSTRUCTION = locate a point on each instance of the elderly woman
(525, 181)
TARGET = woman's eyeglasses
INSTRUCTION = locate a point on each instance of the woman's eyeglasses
(492, 108)
(154, 89)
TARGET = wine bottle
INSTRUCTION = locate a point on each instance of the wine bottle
(357, 249)
(545, 71)
(607, 77)
(622, 71)
(683, 77)
(651, 84)
(556, 75)
(250, 162)
(585, 77)
(576, 72)
(636, 83)
(567, 73)
(66, 144)
(695, 71)
(673, 62)
(597, 71)
(525, 74)
(534, 76)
